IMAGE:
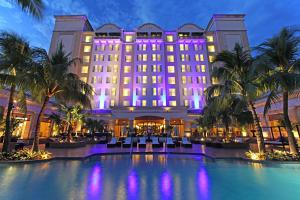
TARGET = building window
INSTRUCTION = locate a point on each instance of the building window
(107, 79)
(184, 91)
(112, 103)
(128, 58)
(170, 58)
(211, 48)
(171, 80)
(87, 48)
(115, 68)
(156, 68)
(144, 91)
(106, 92)
(154, 91)
(88, 38)
(154, 102)
(186, 103)
(125, 103)
(99, 79)
(198, 79)
(172, 92)
(86, 59)
(211, 58)
(84, 69)
(170, 38)
(144, 79)
(93, 80)
(114, 79)
(144, 103)
(108, 68)
(171, 69)
(128, 48)
(201, 57)
(153, 79)
(210, 38)
(172, 103)
(126, 80)
(170, 48)
(203, 69)
(183, 79)
(127, 69)
(203, 79)
(126, 92)
(113, 91)
(128, 38)
(155, 47)
(183, 68)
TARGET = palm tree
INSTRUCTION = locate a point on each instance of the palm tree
(34, 7)
(240, 76)
(15, 72)
(282, 54)
(53, 80)
(57, 120)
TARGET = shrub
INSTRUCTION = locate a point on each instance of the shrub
(25, 154)
(275, 155)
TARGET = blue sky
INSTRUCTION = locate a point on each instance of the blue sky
(263, 17)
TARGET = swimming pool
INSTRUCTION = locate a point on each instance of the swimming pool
(149, 177)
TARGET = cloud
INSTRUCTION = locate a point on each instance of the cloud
(6, 4)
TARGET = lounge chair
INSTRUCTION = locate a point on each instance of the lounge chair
(127, 142)
(142, 142)
(155, 142)
(186, 143)
(170, 143)
(112, 143)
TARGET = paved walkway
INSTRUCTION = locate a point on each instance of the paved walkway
(89, 150)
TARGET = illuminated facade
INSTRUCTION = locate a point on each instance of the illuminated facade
(147, 78)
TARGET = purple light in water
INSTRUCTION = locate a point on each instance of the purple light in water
(132, 183)
(166, 184)
(203, 183)
(95, 180)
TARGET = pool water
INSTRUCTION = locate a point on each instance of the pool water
(149, 177)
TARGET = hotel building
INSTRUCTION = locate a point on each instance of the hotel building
(147, 78)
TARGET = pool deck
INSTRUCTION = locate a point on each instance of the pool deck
(101, 149)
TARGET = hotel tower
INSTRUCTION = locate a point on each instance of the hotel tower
(147, 78)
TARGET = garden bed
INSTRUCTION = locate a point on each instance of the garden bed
(24, 155)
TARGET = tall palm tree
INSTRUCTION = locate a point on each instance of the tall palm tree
(53, 80)
(282, 54)
(33, 7)
(240, 76)
(15, 72)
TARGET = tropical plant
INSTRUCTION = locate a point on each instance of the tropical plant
(57, 120)
(33, 7)
(239, 76)
(282, 55)
(94, 125)
(16, 60)
(53, 79)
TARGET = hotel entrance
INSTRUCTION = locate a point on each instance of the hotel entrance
(149, 125)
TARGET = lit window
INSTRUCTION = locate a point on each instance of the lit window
(128, 38)
(88, 38)
(171, 69)
(170, 38)
(125, 103)
(198, 79)
(181, 47)
(126, 92)
(171, 80)
(154, 47)
(84, 79)
(184, 91)
(112, 103)
(183, 68)
(113, 91)
(172, 92)
(154, 91)
(196, 57)
(127, 69)
(186, 102)
(144, 57)
(144, 103)
(196, 47)
(214, 80)
(153, 57)
(142, 47)
(153, 79)
(172, 103)
(210, 38)
(159, 79)
(126, 80)
(144, 91)
(154, 102)
(86, 59)
(211, 58)
(203, 79)
(170, 58)
(198, 68)
(84, 69)
(87, 48)
(201, 57)
(116, 47)
(128, 58)
(170, 48)
(203, 68)
(183, 79)
(110, 47)
(211, 48)
(144, 81)
(128, 48)
(114, 79)
(115, 68)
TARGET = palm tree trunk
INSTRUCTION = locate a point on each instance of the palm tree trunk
(35, 146)
(259, 135)
(7, 133)
(288, 125)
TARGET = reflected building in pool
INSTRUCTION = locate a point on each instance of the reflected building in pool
(147, 78)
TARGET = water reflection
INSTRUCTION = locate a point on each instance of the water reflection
(166, 185)
(203, 183)
(132, 183)
(95, 182)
